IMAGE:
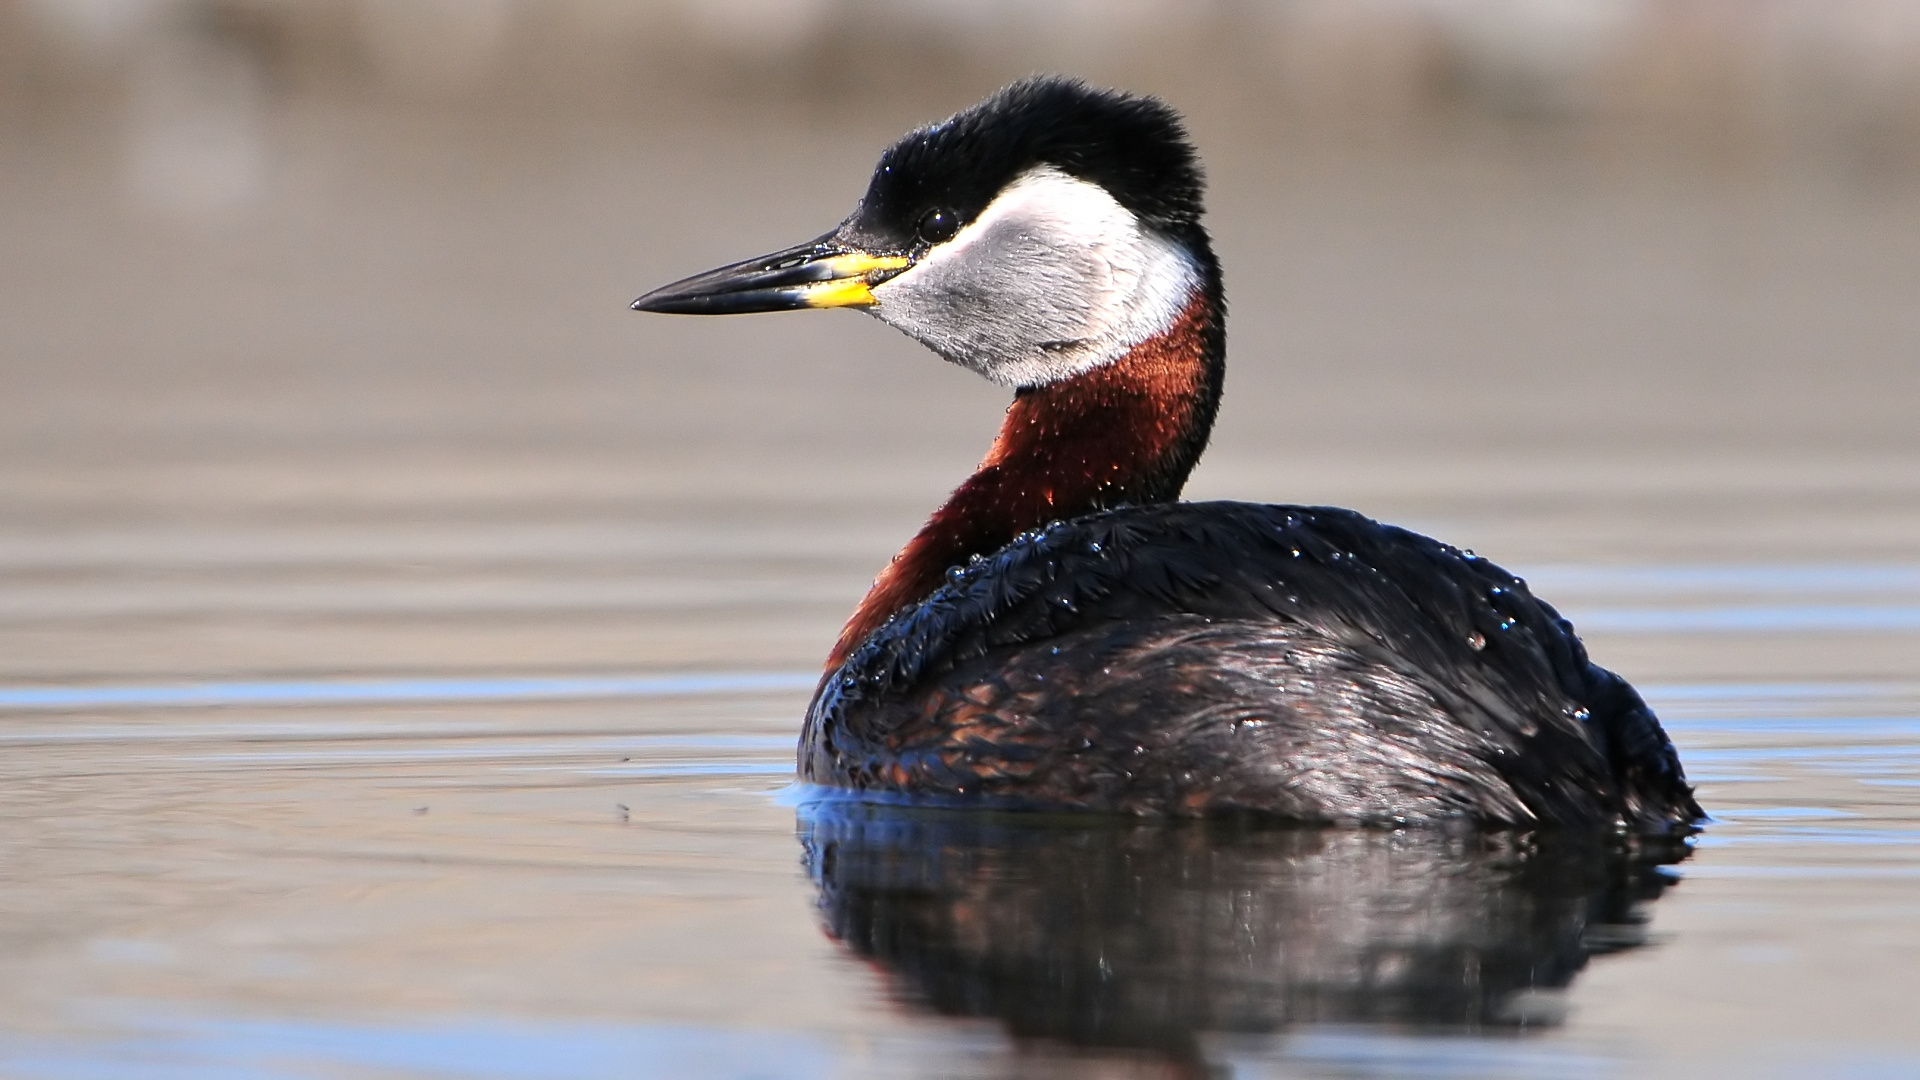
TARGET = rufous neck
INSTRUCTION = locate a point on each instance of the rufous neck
(1125, 433)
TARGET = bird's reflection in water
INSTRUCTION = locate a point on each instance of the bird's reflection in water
(1143, 937)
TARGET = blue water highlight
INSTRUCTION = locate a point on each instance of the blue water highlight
(1876, 580)
(1755, 619)
(387, 691)
(232, 1049)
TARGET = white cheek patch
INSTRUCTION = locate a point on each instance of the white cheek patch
(1053, 279)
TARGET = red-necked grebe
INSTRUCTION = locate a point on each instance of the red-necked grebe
(1064, 633)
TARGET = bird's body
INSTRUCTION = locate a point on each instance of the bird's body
(1064, 634)
(1202, 658)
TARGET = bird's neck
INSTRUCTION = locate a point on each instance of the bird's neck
(1125, 433)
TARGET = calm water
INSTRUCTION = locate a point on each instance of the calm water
(402, 646)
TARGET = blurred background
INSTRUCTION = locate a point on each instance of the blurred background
(315, 354)
(316, 373)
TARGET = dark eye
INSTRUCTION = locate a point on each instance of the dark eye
(937, 224)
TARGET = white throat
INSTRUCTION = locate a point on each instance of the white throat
(1054, 278)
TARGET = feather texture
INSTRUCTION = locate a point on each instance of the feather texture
(1203, 658)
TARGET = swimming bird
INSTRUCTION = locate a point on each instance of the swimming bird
(1064, 633)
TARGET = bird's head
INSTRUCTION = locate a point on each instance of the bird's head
(1033, 237)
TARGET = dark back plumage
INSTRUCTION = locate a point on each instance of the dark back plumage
(1201, 658)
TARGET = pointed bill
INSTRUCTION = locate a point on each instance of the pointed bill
(818, 274)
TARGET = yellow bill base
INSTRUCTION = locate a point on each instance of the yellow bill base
(849, 286)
